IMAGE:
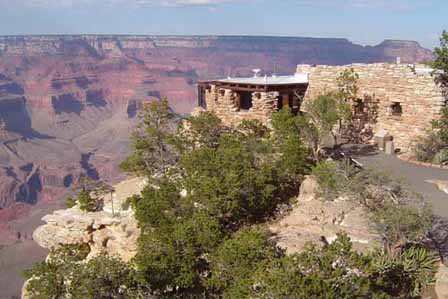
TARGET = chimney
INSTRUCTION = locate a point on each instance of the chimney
(256, 72)
(398, 60)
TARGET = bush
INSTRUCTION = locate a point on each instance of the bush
(400, 224)
(336, 271)
(433, 146)
(427, 147)
(406, 273)
(398, 215)
(441, 157)
(234, 261)
(48, 279)
(86, 202)
(201, 244)
(70, 202)
(328, 179)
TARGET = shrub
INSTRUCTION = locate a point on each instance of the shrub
(328, 179)
(406, 273)
(441, 157)
(86, 202)
(398, 215)
(48, 279)
(402, 223)
(432, 147)
(427, 147)
(234, 261)
(70, 202)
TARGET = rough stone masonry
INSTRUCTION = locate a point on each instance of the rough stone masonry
(407, 96)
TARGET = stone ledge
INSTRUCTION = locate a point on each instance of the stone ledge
(412, 160)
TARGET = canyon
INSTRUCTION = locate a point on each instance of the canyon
(69, 103)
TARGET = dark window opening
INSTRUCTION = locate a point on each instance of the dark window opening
(396, 109)
(359, 107)
(245, 100)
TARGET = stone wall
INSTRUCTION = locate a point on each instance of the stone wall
(224, 103)
(411, 87)
(420, 97)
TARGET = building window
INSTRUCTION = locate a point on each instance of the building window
(359, 107)
(245, 100)
(396, 109)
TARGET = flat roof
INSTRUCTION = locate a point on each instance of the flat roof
(299, 78)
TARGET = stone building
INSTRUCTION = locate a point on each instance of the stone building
(235, 99)
(406, 96)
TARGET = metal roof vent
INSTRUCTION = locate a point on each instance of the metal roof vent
(256, 72)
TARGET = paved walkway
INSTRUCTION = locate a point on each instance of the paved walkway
(415, 176)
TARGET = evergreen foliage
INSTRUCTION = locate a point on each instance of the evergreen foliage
(440, 62)
(433, 147)
(152, 141)
(211, 188)
(322, 115)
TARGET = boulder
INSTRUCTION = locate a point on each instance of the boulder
(313, 219)
(105, 232)
(441, 185)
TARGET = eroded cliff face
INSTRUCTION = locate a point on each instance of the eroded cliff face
(68, 103)
(112, 231)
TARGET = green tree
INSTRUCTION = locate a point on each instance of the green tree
(231, 181)
(287, 141)
(153, 151)
(70, 202)
(321, 117)
(172, 259)
(441, 59)
(86, 201)
(348, 86)
(433, 147)
(48, 279)
(202, 130)
(234, 261)
(103, 278)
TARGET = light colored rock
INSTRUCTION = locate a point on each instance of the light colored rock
(113, 234)
(442, 185)
(441, 286)
(313, 219)
(308, 189)
(115, 203)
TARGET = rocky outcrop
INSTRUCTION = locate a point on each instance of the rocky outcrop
(315, 220)
(112, 231)
(441, 185)
(104, 233)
